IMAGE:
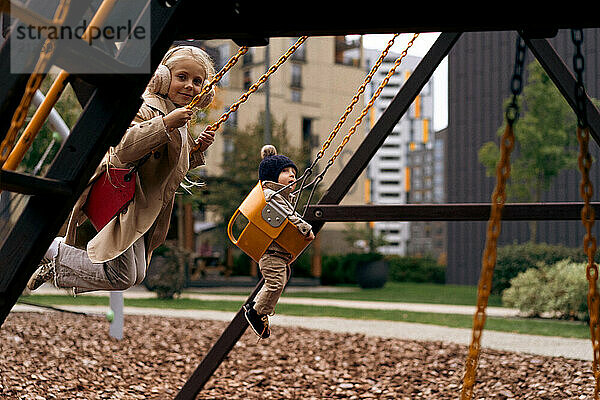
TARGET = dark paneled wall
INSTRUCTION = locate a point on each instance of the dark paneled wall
(479, 70)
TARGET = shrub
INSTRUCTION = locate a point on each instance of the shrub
(516, 258)
(341, 269)
(416, 269)
(302, 266)
(559, 289)
(165, 274)
(241, 264)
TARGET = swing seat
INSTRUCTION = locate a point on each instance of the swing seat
(266, 224)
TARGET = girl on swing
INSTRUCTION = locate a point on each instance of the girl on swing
(116, 258)
(275, 172)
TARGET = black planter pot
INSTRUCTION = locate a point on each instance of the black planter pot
(372, 275)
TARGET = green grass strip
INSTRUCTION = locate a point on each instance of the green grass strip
(397, 292)
(514, 325)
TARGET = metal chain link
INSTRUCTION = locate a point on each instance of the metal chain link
(361, 89)
(587, 212)
(359, 119)
(217, 124)
(494, 226)
(373, 98)
(356, 97)
(232, 61)
(33, 84)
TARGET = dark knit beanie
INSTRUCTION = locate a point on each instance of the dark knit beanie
(272, 164)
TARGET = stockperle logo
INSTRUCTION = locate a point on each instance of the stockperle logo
(123, 34)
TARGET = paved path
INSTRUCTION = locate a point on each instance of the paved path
(540, 345)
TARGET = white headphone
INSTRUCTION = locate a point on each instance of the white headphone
(161, 80)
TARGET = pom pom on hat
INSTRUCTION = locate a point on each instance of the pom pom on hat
(272, 164)
(267, 150)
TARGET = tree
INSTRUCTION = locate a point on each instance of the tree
(545, 142)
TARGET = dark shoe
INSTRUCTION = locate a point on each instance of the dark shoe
(258, 322)
(43, 274)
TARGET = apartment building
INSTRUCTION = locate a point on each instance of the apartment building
(392, 167)
(428, 238)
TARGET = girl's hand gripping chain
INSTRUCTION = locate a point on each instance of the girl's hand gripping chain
(205, 139)
(177, 118)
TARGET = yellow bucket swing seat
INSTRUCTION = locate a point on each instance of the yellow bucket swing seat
(267, 223)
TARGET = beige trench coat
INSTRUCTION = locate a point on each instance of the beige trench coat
(157, 180)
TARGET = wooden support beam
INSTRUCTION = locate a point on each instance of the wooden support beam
(445, 212)
(33, 185)
(564, 80)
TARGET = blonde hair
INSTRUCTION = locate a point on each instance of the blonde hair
(179, 53)
(161, 80)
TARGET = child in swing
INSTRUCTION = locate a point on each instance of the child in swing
(275, 171)
(117, 257)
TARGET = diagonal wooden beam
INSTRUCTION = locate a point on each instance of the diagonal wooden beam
(564, 80)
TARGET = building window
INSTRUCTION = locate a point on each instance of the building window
(247, 79)
(300, 53)
(347, 50)
(308, 139)
(296, 81)
(296, 95)
(248, 57)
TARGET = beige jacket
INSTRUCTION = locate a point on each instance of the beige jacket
(157, 180)
(285, 199)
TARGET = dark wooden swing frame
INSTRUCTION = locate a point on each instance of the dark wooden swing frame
(105, 118)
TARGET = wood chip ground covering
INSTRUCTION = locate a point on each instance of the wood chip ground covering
(64, 356)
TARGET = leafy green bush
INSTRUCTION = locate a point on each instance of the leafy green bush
(341, 269)
(516, 258)
(165, 275)
(559, 289)
(241, 265)
(416, 269)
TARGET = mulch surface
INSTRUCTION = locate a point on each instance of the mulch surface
(63, 356)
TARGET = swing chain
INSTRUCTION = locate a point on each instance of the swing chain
(359, 92)
(33, 84)
(494, 225)
(578, 66)
(587, 212)
(255, 86)
(308, 171)
(232, 61)
(359, 119)
(516, 84)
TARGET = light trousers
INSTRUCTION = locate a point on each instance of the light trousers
(276, 272)
(74, 269)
